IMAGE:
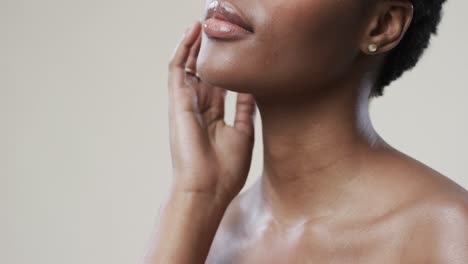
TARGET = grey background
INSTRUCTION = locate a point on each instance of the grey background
(84, 154)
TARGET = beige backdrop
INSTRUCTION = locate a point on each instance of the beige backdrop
(84, 154)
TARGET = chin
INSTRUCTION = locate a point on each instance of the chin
(223, 66)
(236, 78)
(223, 76)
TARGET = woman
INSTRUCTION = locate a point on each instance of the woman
(332, 190)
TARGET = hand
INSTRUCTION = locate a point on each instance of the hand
(208, 156)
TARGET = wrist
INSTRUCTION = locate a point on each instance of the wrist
(206, 203)
(209, 197)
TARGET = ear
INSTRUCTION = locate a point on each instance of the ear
(389, 22)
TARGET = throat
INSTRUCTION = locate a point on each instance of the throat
(314, 155)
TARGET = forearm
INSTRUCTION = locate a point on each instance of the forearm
(186, 229)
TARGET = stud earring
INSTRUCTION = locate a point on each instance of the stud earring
(372, 47)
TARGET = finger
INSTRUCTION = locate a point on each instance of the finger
(215, 111)
(192, 59)
(192, 77)
(181, 53)
(177, 64)
(245, 113)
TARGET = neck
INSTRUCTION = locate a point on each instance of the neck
(313, 151)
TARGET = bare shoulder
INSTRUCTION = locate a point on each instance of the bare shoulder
(438, 232)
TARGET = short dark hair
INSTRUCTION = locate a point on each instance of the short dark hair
(426, 17)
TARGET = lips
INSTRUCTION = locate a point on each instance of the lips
(226, 17)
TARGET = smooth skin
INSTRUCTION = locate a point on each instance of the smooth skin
(332, 190)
